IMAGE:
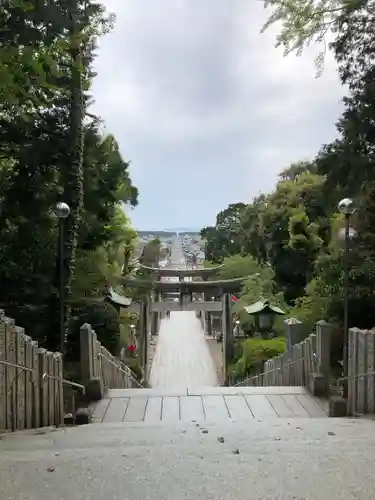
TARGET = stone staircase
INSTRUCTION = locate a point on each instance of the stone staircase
(209, 404)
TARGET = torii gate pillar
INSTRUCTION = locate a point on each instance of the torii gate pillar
(144, 314)
(207, 315)
(155, 316)
(228, 338)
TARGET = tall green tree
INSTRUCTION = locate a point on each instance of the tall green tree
(224, 238)
(348, 165)
(294, 229)
(266, 228)
(215, 243)
(306, 243)
(50, 111)
(151, 253)
(304, 22)
(29, 54)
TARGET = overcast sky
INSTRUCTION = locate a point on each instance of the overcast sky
(204, 106)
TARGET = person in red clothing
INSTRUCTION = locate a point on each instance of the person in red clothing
(132, 348)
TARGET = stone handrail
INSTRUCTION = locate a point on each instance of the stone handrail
(100, 370)
(361, 372)
(305, 363)
(33, 392)
(31, 381)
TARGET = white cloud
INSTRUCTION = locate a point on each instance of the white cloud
(204, 105)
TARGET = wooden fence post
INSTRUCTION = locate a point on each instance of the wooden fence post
(36, 385)
(371, 368)
(29, 400)
(43, 385)
(11, 374)
(353, 370)
(323, 348)
(94, 383)
(19, 384)
(3, 373)
(362, 381)
(86, 358)
(59, 396)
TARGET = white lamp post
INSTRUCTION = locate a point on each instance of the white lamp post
(347, 208)
(62, 212)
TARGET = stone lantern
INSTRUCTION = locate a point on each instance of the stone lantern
(264, 315)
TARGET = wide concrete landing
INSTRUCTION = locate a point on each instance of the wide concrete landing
(300, 459)
(211, 404)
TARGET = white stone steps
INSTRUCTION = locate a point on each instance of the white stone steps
(210, 404)
(232, 390)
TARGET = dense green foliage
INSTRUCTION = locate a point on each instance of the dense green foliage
(292, 232)
(254, 352)
(151, 253)
(304, 22)
(52, 149)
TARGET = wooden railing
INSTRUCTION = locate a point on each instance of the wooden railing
(98, 364)
(31, 381)
(361, 372)
(33, 391)
(305, 363)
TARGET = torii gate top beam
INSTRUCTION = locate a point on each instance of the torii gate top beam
(182, 273)
(221, 286)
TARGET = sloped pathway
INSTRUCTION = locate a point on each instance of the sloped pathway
(182, 358)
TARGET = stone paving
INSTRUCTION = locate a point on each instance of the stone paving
(299, 459)
(182, 358)
(210, 404)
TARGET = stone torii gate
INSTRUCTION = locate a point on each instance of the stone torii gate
(160, 274)
(154, 305)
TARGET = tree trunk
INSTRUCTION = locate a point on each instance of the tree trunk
(72, 179)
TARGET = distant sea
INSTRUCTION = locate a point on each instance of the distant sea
(184, 230)
(170, 230)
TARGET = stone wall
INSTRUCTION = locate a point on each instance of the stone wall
(31, 381)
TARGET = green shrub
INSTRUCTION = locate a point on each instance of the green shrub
(104, 320)
(134, 365)
(255, 352)
(72, 371)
